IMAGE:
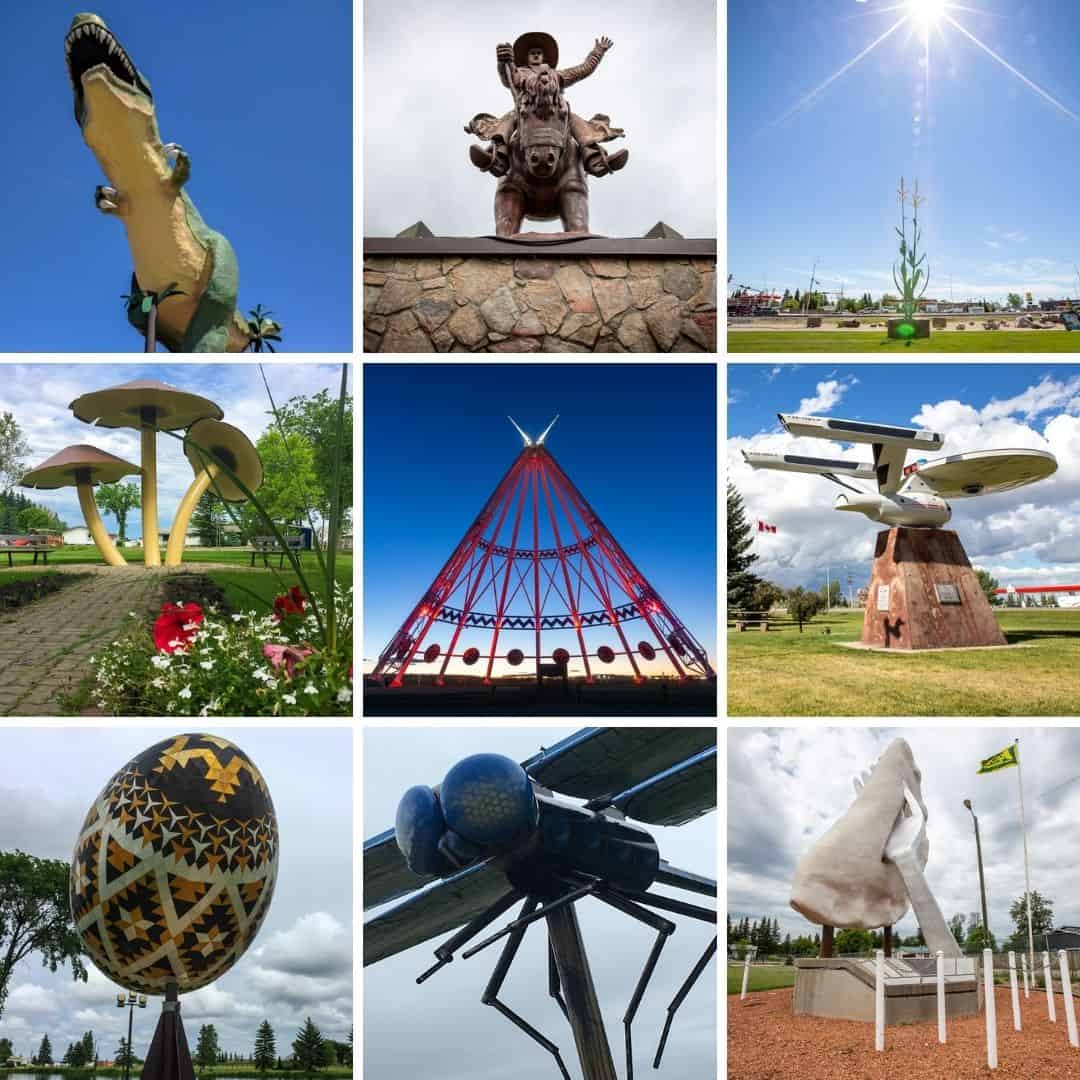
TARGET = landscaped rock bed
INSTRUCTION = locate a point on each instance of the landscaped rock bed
(195, 589)
(23, 591)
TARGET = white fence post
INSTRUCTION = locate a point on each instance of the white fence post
(879, 1000)
(745, 976)
(940, 996)
(1023, 964)
(1013, 991)
(1049, 980)
(990, 1008)
(1066, 993)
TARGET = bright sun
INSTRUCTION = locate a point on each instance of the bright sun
(927, 11)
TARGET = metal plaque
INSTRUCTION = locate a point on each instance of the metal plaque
(883, 598)
(947, 593)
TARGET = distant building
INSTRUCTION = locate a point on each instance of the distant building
(81, 535)
(1063, 937)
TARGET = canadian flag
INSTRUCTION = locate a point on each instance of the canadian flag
(764, 526)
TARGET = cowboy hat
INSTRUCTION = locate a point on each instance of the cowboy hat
(536, 39)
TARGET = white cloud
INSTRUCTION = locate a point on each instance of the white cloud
(828, 394)
(316, 945)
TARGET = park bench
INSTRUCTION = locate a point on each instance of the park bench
(268, 545)
(36, 545)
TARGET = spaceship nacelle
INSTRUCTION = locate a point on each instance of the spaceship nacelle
(921, 512)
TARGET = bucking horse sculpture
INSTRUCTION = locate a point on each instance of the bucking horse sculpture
(541, 150)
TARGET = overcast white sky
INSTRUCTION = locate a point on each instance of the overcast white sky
(39, 395)
(1027, 537)
(787, 786)
(441, 1028)
(428, 69)
(301, 963)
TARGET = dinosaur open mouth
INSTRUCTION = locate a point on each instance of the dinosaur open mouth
(90, 45)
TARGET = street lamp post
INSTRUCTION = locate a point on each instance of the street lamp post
(982, 883)
(130, 1002)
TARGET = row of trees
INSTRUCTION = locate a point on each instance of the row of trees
(816, 300)
(970, 935)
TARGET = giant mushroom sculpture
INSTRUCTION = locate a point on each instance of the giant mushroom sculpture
(148, 407)
(210, 445)
(81, 467)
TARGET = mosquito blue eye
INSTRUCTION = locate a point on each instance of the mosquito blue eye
(488, 800)
(418, 827)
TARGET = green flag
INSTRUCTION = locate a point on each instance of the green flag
(1009, 756)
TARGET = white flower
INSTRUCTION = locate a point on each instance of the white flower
(185, 693)
(289, 699)
(237, 618)
(160, 660)
(310, 689)
(158, 683)
(344, 695)
(206, 665)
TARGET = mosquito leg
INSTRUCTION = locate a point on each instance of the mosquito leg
(445, 952)
(664, 929)
(554, 982)
(524, 920)
(692, 978)
(498, 977)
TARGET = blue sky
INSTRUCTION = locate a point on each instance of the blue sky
(997, 162)
(638, 440)
(1027, 537)
(38, 395)
(260, 97)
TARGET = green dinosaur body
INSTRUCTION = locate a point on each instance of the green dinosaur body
(169, 241)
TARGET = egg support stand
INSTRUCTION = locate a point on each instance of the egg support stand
(169, 1057)
(570, 980)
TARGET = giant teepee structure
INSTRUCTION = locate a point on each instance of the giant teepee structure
(538, 584)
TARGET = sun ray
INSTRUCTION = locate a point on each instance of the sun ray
(1008, 67)
(803, 102)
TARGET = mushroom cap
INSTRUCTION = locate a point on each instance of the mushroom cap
(226, 445)
(61, 469)
(122, 406)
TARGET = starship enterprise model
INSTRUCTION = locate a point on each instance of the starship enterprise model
(914, 495)
(496, 833)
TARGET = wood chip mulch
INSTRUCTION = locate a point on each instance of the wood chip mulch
(766, 1041)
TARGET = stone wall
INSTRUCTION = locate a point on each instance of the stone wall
(538, 304)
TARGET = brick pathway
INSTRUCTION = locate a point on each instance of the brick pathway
(45, 647)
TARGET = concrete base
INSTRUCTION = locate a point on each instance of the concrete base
(924, 594)
(843, 989)
(922, 328)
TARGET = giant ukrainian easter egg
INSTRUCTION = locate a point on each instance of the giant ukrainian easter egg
(175, 865)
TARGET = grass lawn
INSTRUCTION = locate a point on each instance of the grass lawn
(948, 341)
(761, 978)
(785, 673)
(246, 590)
(238, 556)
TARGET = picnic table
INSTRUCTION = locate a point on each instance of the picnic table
(30, 544)
(266, 546)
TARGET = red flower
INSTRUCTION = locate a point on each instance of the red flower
(285, 656)
(291, 603)
(175, 626)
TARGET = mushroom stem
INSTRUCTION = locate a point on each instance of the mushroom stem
(174, 553)
(97, 527)
(151, 551)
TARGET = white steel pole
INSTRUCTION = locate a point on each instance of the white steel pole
(990, 1010)
(1066, 993)
(1048, 979)
(1024, 965)
(1027, 874)
(879, 1000)
(940, 996)
(1013, 991)
(745, 976)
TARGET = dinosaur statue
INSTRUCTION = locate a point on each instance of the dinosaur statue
(170, 243)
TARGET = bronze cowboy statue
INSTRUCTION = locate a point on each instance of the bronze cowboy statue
(541, 150)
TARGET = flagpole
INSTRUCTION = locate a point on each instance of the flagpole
(1027, 873)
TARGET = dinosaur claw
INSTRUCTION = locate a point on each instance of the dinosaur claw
(173, 149)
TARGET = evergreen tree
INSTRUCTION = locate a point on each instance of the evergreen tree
(125, 1059)
(265, 1047)
(740, 539)
(1042, 919)
(7, 1051)
(206, 519)
(308, 1048)
(207, 1049)
(44, 1054)
(89, 1050)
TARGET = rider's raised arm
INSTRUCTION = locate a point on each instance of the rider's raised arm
(569, 76)
(504, 59)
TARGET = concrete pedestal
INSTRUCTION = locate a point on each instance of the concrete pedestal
(843, 989)
(925, 595)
